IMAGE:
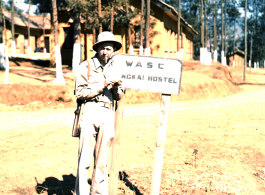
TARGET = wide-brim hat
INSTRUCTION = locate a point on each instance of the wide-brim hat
(107, 37)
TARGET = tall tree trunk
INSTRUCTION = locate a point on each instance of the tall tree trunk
(94, 35)
(52, 44)
(225, 30)
(59, 73)
(222, 26)
(215, 31)
(210, 36)
(55, 22)
(214, 27)
(179, 15)
(251, 43)
(100, 16)
(147, 21)
(29, 48)
(4, 20)
(205, 23)
(112, 16)
(77, 28)
(142, 23)
(201, 24)
(77, 52)
(128, 27)
(2, 46)
(234, 41)
(43, 30)
(1, 22)
(245, 56)
(13, 44)
(12, 21)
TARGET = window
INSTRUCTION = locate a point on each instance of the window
(68, 38)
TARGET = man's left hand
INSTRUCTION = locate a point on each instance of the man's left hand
(116, 84)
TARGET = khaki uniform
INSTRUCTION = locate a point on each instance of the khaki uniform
(97, 125)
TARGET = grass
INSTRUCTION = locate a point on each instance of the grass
(25, 93)
(198, 82)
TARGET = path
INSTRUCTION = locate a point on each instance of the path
(227, 132)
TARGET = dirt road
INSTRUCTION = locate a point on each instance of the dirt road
(38, 154)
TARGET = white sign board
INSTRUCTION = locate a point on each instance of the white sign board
(149, 74)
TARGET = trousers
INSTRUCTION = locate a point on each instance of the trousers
(97, 132)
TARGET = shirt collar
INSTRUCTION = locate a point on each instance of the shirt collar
(97, 63)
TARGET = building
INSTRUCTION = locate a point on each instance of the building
(163, 35)
(238, 56)
(39, 32)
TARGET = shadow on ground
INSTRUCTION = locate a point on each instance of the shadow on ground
(54, 186)
(125, 178)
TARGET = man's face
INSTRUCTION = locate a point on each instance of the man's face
(105, 50)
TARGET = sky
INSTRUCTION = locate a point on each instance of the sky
(23, 6)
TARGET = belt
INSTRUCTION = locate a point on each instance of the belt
(102, 104)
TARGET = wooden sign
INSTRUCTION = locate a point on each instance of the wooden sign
(149, 74)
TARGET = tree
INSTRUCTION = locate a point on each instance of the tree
(59, 73)
(179, 15)
(1, 22)
(141, 26)
(147, 22)
(215, 32)
(233, 14)
(205, 23)
(245, 56)
(225, 29)
(112, 16)
(100, 16)
(29, 48)
(128, 24)
(13, 29)
(201, 24)
(2, 46)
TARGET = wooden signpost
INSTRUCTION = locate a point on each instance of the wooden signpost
(149, 74)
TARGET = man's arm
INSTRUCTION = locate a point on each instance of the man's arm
(117, 91)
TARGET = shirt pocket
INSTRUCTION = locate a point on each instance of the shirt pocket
(96, 77)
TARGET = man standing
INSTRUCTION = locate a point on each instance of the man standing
(97, 85)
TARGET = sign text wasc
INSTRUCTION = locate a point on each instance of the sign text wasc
(152, 74)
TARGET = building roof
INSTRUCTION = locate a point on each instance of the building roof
(237, 51)
(36, 22)
(172, 13)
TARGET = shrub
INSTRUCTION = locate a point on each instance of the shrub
(25, 93)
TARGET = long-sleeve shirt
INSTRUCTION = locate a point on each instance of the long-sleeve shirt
(91, 86)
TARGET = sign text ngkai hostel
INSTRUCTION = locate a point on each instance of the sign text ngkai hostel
(150, 74)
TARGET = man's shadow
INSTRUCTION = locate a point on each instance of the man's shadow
(52, 185)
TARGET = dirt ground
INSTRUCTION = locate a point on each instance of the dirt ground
(214, 145)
